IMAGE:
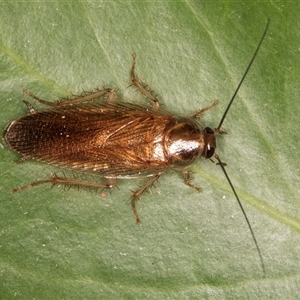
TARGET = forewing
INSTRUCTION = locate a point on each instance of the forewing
(114, 140)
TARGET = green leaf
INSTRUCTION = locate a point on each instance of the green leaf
(57, 244)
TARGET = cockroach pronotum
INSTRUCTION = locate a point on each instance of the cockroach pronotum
(97, 134)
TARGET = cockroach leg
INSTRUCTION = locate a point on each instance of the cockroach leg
(20, 160)
(32, 184)
(112, 96)
(54, 179)
(110, 93)
(136, 194)
(45, 102)
(145, 90)
(187, 180)
(30, 107)
(200, 112)
(137, 218)
(111, 183)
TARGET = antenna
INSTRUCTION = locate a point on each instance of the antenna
(218, 130)
(244, 213)
(243, 78)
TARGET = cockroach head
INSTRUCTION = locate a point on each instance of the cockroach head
(209, 142)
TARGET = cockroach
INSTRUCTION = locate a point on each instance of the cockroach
(98, 134)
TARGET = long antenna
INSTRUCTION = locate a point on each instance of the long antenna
(244, 213)
(243, 78)
(218, 130)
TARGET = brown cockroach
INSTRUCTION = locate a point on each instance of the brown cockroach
(98, 134)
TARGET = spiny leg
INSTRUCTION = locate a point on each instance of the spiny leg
(187, 180)
(54, 179)
(110, 93)
(30, 107)
(112, 96)
(200, 112)
(146, 91)
(136, 194)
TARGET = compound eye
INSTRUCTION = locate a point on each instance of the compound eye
(208, 130)
(209, 152)
(210, 142)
